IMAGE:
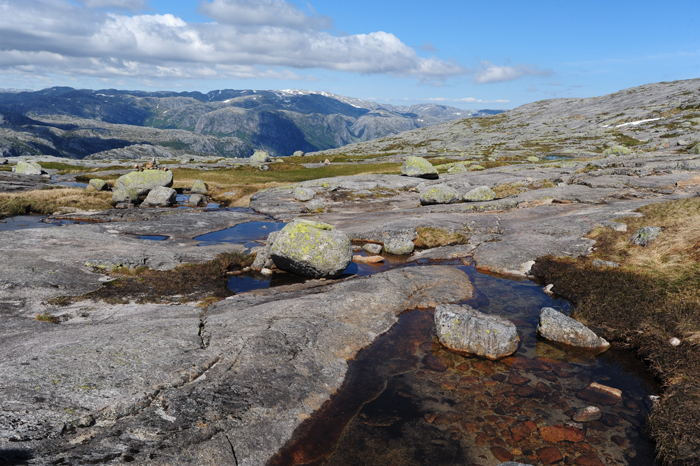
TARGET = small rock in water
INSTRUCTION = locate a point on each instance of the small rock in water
(674, 341)
(367, 259)
(556, 434)
(265, 271)
(160, 196)
(466, 330)
(560, 328)
(196, 200)
(601, 394)
(399, 246)
(645, 235)
(372, 248)
(589, 413)
(548, 289)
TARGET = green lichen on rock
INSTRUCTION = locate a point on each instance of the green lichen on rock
(98, 184)
(695, 150)
(458, 168)
(28, 168)
(125, 195)
(304, 194)
(645, 235)
(476, 167)
(617, 151)
(260, 156)
(481, 193)
(312, 249)
(419, 167)
(143, 182)
(439, 194)
(199, 187)
(533, 159)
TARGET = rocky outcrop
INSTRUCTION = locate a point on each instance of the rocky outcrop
(616, 151)
(28, 168)
(126, 195)
(645, 235)
(160, 197)
(196, 200)
(468, 331)
(419, 167)
(143, 181)
(557, 327)
(312, 249)
(439, 194)
(98, 184)
(199, 187)
(481, 193)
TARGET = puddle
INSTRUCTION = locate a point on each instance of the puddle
(24, 222)
(408, 401)
(71, 184)
(153, 237)
(250, 234)
(243, 283)
(551, 158)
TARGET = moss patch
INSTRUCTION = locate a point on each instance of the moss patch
(430, 237)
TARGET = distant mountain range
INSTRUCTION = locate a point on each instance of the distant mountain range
(80, 123)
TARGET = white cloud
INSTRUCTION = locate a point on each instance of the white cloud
(58, 37)
(490, 73)
(133, 5)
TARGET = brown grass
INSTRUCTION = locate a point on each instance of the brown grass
(430, 237)
(49, 201)
(653, 296)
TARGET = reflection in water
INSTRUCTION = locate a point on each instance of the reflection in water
(406, 400)
(250, 234)
(153, 237)
(23, 222)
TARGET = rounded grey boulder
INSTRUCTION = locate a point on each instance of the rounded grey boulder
(260, 156)
(196, 200)
(645, 235)
(304, 194)
(125, 195)
(465, 330)
(28, 168)
(482, 193)
(399, 246)
(419, 167)
(372, 248)
(100, 185)
(557, 327)
(199, 187)
(315, 205)
(298, 153)
(161, 196)
(458, 168)
(439, 194)
(311, 249)
(143, 182)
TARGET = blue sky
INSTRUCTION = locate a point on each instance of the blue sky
(497, 54)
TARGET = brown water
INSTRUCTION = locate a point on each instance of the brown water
(408, 401)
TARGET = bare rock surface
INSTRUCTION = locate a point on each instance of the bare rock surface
(159, 384)
(560, 328)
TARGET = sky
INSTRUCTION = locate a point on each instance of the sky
(496, 54)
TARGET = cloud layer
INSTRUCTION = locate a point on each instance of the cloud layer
(246, 39)
(490, 73)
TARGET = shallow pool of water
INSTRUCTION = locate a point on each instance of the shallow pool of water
(153, 237)
(406, 400)
(250, 234)
(554, 157)
(23, 222)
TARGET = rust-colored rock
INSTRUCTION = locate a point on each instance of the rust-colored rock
(433, 363)
(481, 439)
(447, 418)
(589, 413)
(556, 434)
(517, 379)
(620, 441)
(524, 430)
(468, 426)
(549, 455)
(588, 460)
(501, 454)
(601, 394)
(367, 259)
(430, 417)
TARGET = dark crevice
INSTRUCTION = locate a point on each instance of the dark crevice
(233, 450)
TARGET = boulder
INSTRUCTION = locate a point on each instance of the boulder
(3, 162)
(196, 200)
(260, 156)
(616, 151)
(128, 196)
(439, 194)
(315, 205)
(312, 249)
(695, 150)
(304, 194)
(645, 235)
(481, 193)
(399, 246)
(142, 182)
(557, 327)
(98, 184)
(28, 168)
(372, 248)
(161, 196)
(465, 330)
(298, 153)
(533, 159)
(420, 168)
(458, 168)
(199, 187)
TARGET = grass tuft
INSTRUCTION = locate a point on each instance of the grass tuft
(430, 237)
(49, 201)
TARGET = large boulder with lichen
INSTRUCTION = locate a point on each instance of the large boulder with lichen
(481, 193)
(557, 327)
(439, 194)
(458, 168)
(645, 235)
(465, 330)
(160, 197)
(121, 196)
(199, 187)
(28, 168)
(98, 184)
(419, 167)
(399, 246)
(144, 181)
(311, 249)
(260, 156)
(304, 194)
(617, 151)
(695, 150)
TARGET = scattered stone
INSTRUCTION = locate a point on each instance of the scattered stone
(600, 394)
(298, 153)
(312, 249)
(265, 271)
(556, 434)
(517, 379)
(602, 263)
(367, 259)
(645, 235)
(433, 363)
(199, 187)
(186, 160)
(304, 194)
(458, 168)
(652, 401)
(28, 168)
(481, 193)
(419, 167)
(674, 341)
(196, 200)
(477, 167)
(560, 328)
(372, 248)
(548, 289)
(399, 246)
(587, 414)
(439, 194)
(549, 455)
(617, 226)
(501, 453)
(617, 151)
(260, 156)
(533, 159)
(466, 330)
(161, 196)
(3, 162)
(98, 184)
(588, 460)
(695, 150)
(326, 162)
(123, 195)
(315, 205)
(144, 181)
